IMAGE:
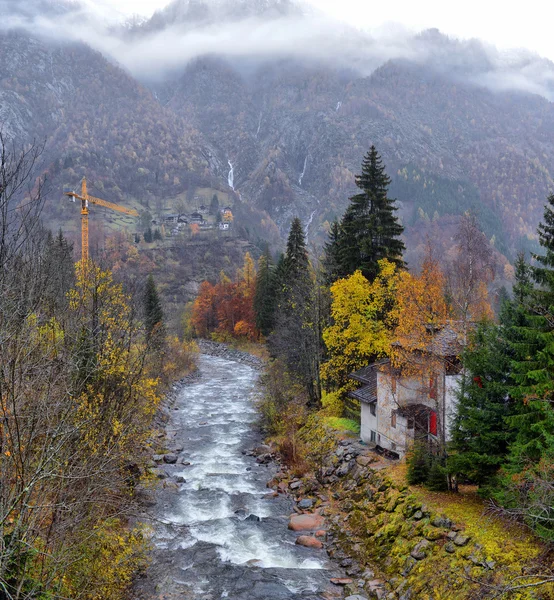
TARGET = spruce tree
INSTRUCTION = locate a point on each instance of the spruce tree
(59, 272)
(148, 236)
(331, 257)
(296, 258)
(534, 365)
(153, 313)
(295, 336)
(369, 229)
(214, 205)
(265, 295)
(480, 432)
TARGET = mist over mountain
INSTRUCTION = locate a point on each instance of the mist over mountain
(288, 97)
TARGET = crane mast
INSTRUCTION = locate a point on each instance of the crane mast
(85, 199)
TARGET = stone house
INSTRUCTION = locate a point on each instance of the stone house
(400, 407)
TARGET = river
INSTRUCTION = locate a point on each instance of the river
(217, 533)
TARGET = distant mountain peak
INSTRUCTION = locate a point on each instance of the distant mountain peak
(204, 12)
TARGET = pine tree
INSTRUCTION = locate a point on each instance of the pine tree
(525, 488)
(265, 296)
(480, 432)
(148, 236)
(369, 229)
(214, 205)
(295, 338)
(534, 344)
(296, 258)
(59, 272)
(153, 313)
(331, 257)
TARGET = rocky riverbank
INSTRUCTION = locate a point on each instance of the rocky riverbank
(390, 543)
(229, 353)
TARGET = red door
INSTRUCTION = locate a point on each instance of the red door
(433, 423)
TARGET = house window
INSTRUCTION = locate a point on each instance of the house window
(393, 418)
(373, 408)
(373, 436)
(433, 423)
(433, 387)
(392, 446)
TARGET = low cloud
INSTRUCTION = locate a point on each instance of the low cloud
(150, 53)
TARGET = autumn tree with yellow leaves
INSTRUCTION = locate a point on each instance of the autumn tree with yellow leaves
(364, 319)
(77, 397)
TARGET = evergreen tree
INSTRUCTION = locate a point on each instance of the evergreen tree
(148, 236)
(214, 205)
(157, 234)
(534, 344)
(265, 295)
(296, 258)
(369, 229)
(295, 338)
(153, 313)
(480, 432)
(331, 257)
(59, 272)
(137, 238)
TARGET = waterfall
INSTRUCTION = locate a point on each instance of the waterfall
(231, 176)
(339, 104)
(309, 223)
(303, 171)
(259, 125)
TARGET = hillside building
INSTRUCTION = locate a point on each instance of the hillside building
(399, 407)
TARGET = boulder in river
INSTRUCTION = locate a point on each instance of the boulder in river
(170, 459)
(306, 522)
(309, 541)
(341, 581)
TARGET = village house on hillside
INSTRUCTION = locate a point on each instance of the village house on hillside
(402, 406)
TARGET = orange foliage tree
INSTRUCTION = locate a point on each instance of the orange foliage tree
(227, 308)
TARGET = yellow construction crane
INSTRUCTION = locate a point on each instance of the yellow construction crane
(85, 199)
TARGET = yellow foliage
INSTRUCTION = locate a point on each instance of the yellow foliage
(110, 559)
(332, 404)
(362, 323)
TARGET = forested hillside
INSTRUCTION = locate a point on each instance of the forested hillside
(459, 126)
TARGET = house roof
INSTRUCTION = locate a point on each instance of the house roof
(368, 374)
(367, 393)
(443, 341)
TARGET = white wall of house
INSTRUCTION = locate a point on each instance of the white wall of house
(392, 432)
(368, 424)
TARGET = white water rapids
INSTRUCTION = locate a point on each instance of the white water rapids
(219, 535)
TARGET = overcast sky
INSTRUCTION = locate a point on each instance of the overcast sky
(505, 23)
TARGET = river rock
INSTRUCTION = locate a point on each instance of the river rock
(309, 541)
(305, 504)
(170, 459)
(295, 485)
(321, 533)
(306, 522)
(180, 479)
(254, 518)
(363, 460)
(263, 449)
(341, 581)
(356, 597)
